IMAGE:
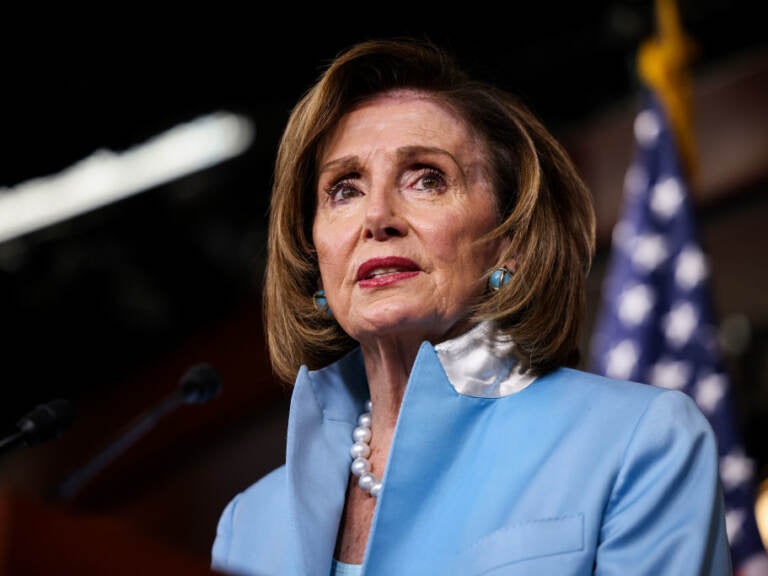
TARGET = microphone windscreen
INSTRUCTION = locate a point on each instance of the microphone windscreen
(46, 421)
(200, 384)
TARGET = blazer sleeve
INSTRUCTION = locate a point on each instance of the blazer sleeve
(665, 514)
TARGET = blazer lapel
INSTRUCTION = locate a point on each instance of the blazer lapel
(432, 419)
(324, 409)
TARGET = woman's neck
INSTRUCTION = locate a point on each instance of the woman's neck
(388, 365)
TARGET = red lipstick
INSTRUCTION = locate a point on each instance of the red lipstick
(383, 271)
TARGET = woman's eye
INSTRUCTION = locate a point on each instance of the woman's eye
(431, 180)
(341, 191)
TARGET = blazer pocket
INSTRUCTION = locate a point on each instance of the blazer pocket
(523, 541)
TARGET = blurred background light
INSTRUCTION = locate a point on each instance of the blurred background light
(106, 176)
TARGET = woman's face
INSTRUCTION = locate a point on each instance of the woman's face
(403, 195)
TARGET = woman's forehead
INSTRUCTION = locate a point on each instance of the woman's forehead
(398, 118)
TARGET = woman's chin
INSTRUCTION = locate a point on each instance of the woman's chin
(403, 326)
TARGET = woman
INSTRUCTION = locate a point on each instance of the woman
(428, 247)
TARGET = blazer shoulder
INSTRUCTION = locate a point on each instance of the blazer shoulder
(628, 392)
(253, 518)
(264, 494)
(621, 402)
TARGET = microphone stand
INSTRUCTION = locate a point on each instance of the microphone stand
(199, 384)
(80, 477)
(12, 441)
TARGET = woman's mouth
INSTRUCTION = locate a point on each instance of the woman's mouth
(383, 271)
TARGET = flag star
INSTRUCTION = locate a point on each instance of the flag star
(670, 374)
(691, 267)
(635, 180)
(680, 323)
(621, 360)
(666, 197)
(735, 469)
(647, 128)
(650, 250)
(709, 391)
(621, 235)
(635, 303)
(734, 520)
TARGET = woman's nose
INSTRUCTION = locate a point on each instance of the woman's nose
(383, 216)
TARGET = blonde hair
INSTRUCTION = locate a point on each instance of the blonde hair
(546, 210)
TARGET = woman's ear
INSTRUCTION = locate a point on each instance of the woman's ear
(508, 264)
(507, 257)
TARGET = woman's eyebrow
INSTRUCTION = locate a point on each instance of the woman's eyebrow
(404, 154)
(408, 152)
(345, 163)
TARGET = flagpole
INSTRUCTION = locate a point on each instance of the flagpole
(663, 64)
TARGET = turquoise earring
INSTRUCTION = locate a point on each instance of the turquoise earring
(499, 278)
(321, 303)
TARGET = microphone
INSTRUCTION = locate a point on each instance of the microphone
(199, 384)
(44, 422)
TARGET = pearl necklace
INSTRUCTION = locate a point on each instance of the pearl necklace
(360, 451)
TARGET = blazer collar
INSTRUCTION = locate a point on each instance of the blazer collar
(326, 403)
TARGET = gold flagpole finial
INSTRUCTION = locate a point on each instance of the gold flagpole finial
(663, 65)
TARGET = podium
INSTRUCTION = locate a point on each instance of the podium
(41, 539)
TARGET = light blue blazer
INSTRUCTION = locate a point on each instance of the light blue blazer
(569, 474)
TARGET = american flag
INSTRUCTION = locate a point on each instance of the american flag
(657, 324)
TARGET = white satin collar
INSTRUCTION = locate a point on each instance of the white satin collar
(477, 366)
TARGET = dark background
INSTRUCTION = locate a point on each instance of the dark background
(109, 308)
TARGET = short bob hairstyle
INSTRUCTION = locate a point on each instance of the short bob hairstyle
(545, 209)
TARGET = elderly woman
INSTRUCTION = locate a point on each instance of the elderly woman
(428, 247)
